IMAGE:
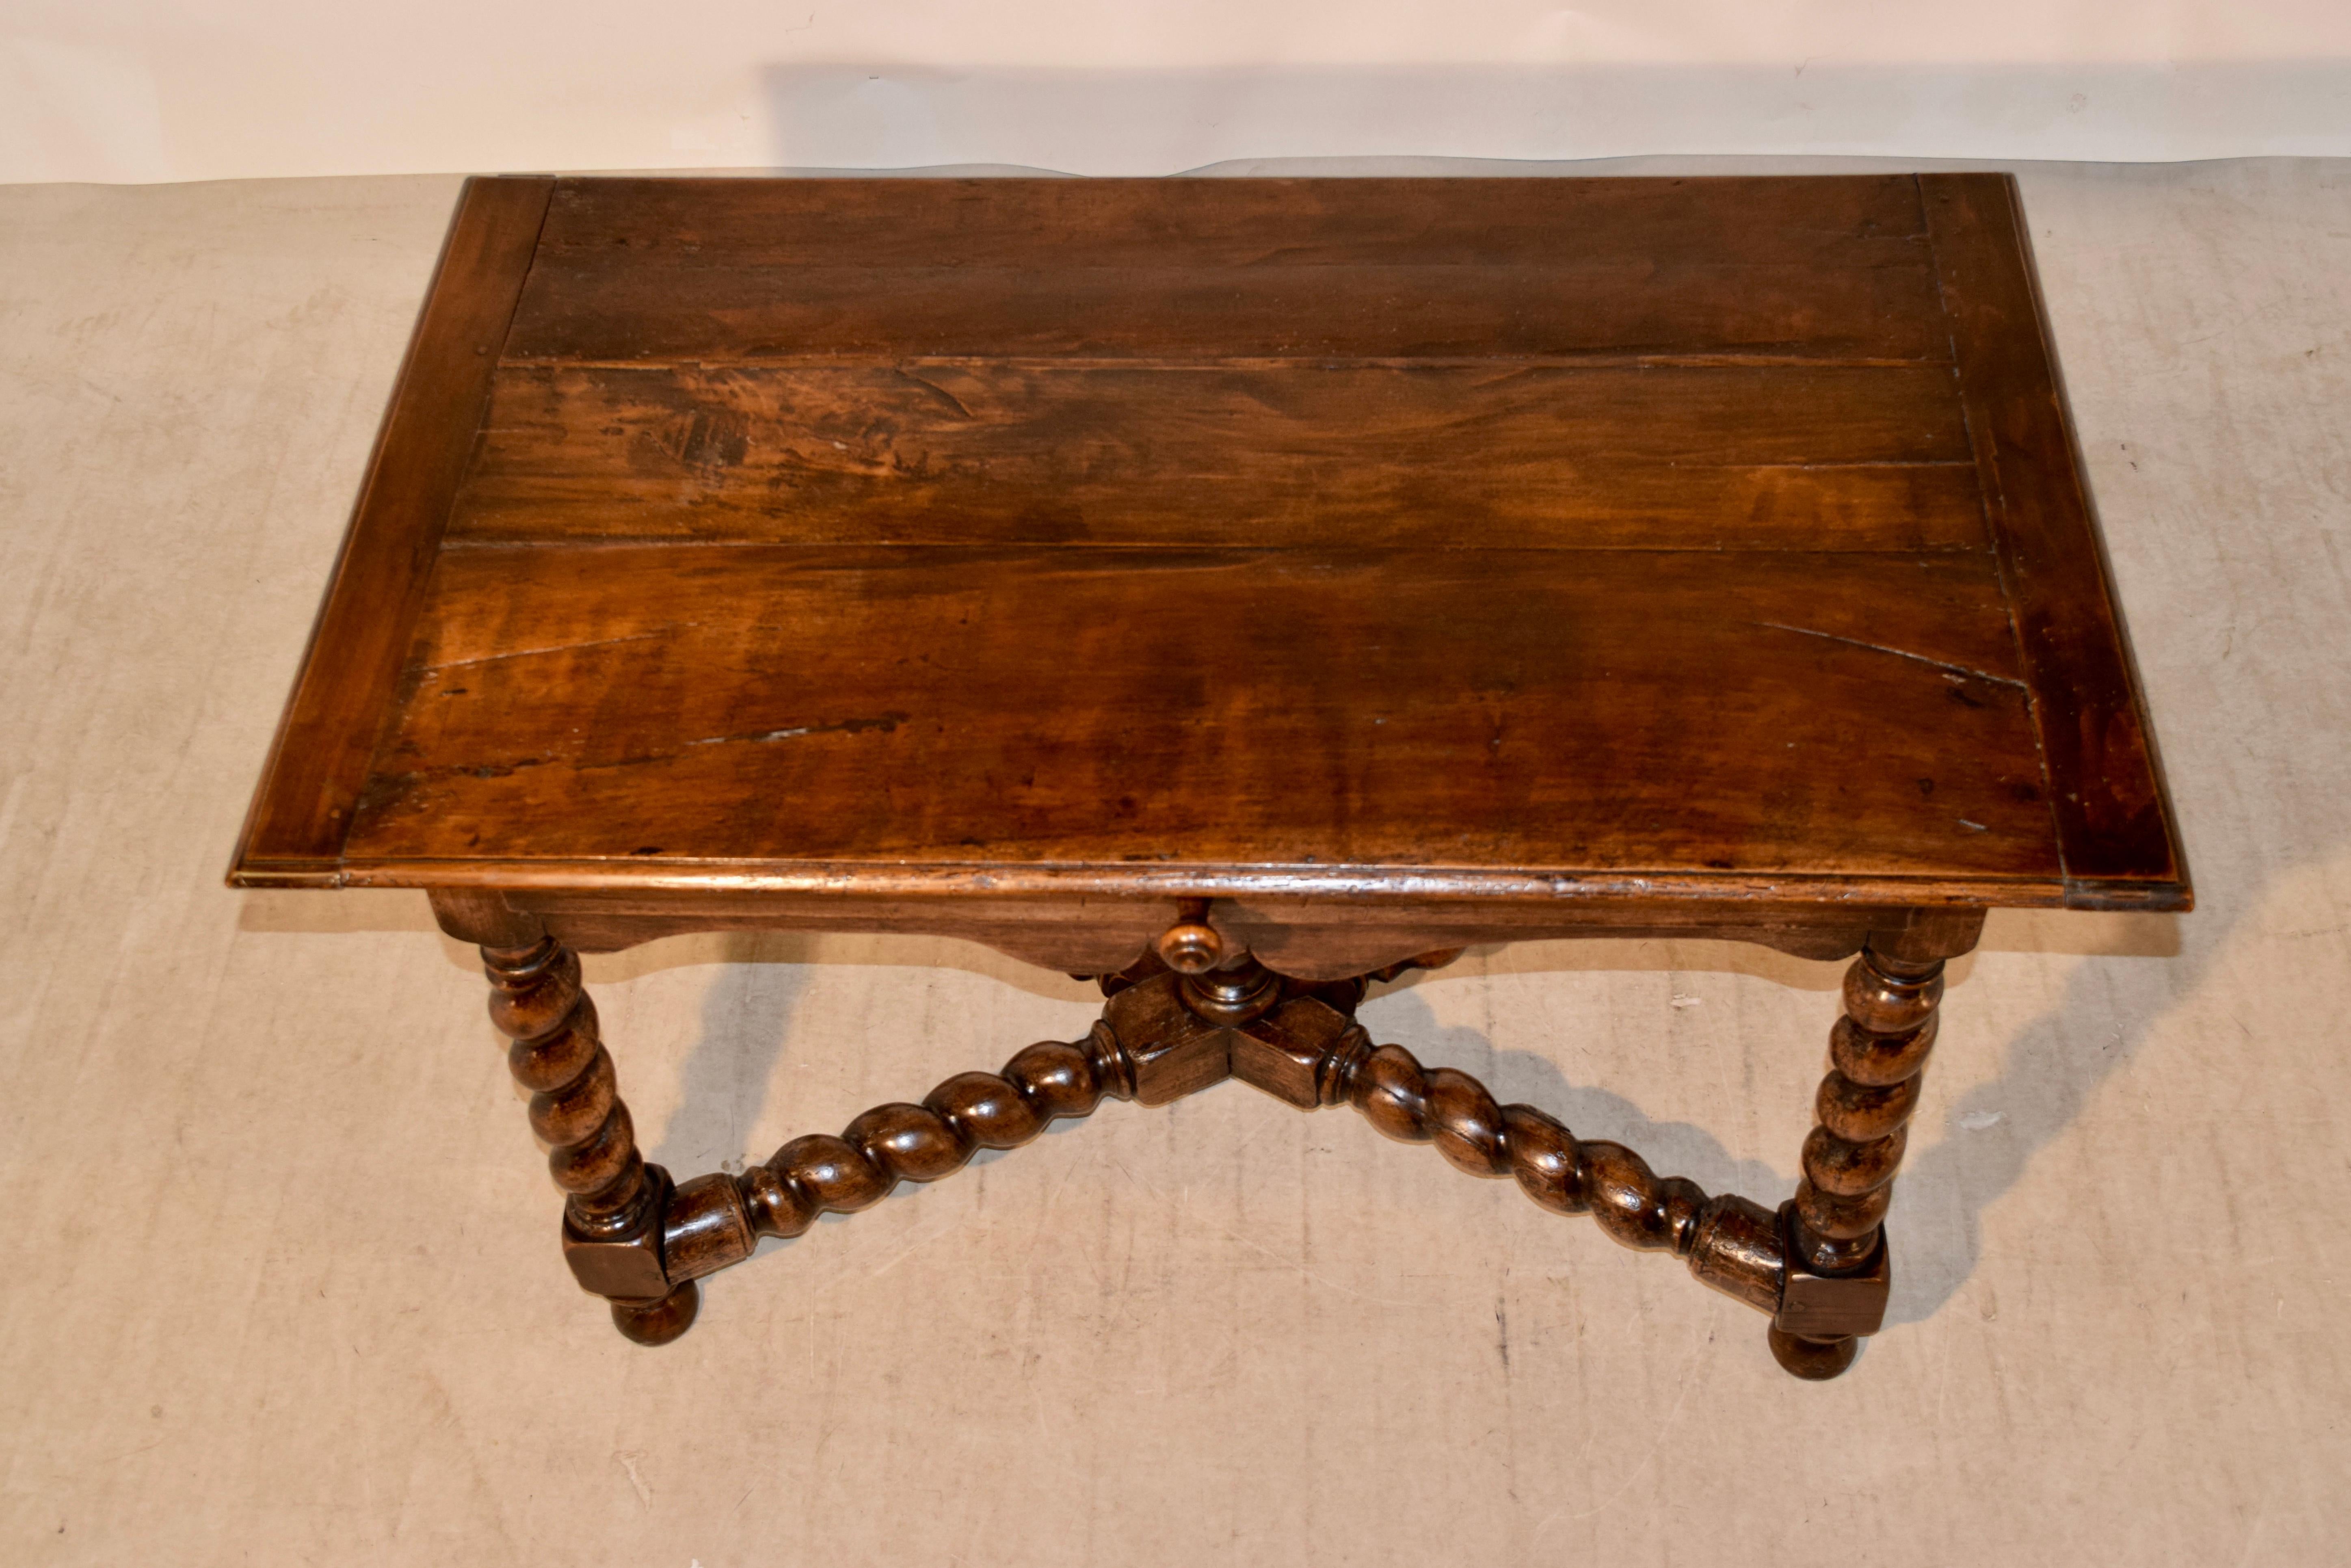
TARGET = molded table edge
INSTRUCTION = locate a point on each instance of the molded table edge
(326, 740)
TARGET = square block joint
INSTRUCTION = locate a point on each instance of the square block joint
(624, 1268)
(1833, 1306)
(1282, 1052)
(1176, 1052)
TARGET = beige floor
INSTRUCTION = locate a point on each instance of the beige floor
(285, 1287)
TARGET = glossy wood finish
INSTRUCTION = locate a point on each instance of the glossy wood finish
(716, 1222)
(1696, 512)
(614, 1203)
(1818, 1266)
(1305, 937)
(973, 450)
(1838, 1274)
(2113, 818)
(892, 696)
(1728, 1242)
(1878, 1052)
(319, 762)
(1239, 590)
(1164, 1034)
(732, 270)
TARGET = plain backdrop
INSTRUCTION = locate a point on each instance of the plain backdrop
(138, 91)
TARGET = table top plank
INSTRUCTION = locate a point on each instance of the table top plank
(318, 763)
(623, 308)
(1618, 711)
(1508, 538)
(1495, 268)
(2116, 827)
(1847, 222)
(1446, 456)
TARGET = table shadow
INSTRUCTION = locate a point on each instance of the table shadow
(745, 1024)
(2048, 1073)
(1992, 1131)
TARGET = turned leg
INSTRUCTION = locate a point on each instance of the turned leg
(633, 1238)
(1838, 1271)
(614, 1202)
(1184, 1018)
(1728, 1242)
(1310, 1052)
(716, 1220)
(1191, 1012)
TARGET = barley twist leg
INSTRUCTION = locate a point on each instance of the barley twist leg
(1837, 1269)
(1185, 1016)
(612, 1210)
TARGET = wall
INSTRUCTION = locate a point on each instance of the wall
(169, 89)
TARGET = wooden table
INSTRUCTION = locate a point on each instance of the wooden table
(1241, 591)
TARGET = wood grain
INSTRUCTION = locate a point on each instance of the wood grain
(1615, 541)
(1365, 708)
(1840, 222)
(1193, 1010)
(732, 270)
(319, 762)
(622, 308)
(2116, 831)
(1837, 1279)
(1439, 456)
(1238, 591)
(1304, 938)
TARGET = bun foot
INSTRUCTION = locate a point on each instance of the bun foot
(660, 1321)
(1814, 1360)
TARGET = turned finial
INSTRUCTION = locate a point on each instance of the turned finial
(1191, 946)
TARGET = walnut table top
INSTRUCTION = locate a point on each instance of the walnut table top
(1344, 569)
